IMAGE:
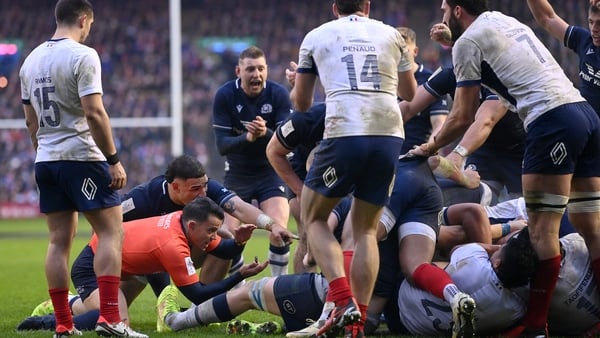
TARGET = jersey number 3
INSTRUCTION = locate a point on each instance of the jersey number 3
(368, 73)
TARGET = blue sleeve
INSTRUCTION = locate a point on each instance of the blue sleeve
(227, 249)
(439, 107)
(137, 198)
(442, 82)
(576, 38)
(198, 293)
(225, 139)
(219, 194)
(227, 143)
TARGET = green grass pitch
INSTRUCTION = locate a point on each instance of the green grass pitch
(23, 246)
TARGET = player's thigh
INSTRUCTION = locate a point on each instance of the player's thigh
(278, 208)
(565, 140)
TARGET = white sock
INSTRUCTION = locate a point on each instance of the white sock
(278, 259)
(450, 291)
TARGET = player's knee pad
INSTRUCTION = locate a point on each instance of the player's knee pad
(416, 228)
(584, 202)
(539, 201)
(256, 294)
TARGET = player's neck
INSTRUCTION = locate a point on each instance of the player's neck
(66, 33)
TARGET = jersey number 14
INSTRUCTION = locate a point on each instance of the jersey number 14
(368, 73)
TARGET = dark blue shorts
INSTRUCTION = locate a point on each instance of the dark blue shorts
(260, 188)
(298, 299)
(82, 273)
(564, 140)
(364, 165)
(416, 196)
(73, 185)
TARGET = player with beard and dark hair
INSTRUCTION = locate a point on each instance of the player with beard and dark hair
(561, 162)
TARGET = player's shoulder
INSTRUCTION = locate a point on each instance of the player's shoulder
(228, 87)
(277, 88)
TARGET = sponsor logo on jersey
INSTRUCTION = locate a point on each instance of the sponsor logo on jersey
(189, 264)
(289, 307)
(287, 128)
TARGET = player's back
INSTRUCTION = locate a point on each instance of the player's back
(54, 77)
(357, 60)
(471, 270)
(514, 64)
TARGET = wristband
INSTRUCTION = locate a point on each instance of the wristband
(112, 159)
(462, 151)
(505, 229)
(264, 222)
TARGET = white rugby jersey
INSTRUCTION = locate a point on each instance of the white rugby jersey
(506, 56)
(357, 60)
(497, 308)
(575, 305)
(509, 209)
(53, 77)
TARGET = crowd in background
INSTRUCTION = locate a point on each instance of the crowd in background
(132, 39)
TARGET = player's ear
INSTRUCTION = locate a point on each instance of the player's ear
(82, 20)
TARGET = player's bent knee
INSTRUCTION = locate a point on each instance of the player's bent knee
(256, 293)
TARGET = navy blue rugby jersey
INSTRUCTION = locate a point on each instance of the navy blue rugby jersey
(300, 133)
(233, 110)
(579, 40)
(418, 129)
(152, 198)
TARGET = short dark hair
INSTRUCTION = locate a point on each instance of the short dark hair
(473, 7)
(594, 8)
(346, 7)
(68, 11)
(184, 167)
(200, 208)
(519, 260)
(408, 34)
(252, 52)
